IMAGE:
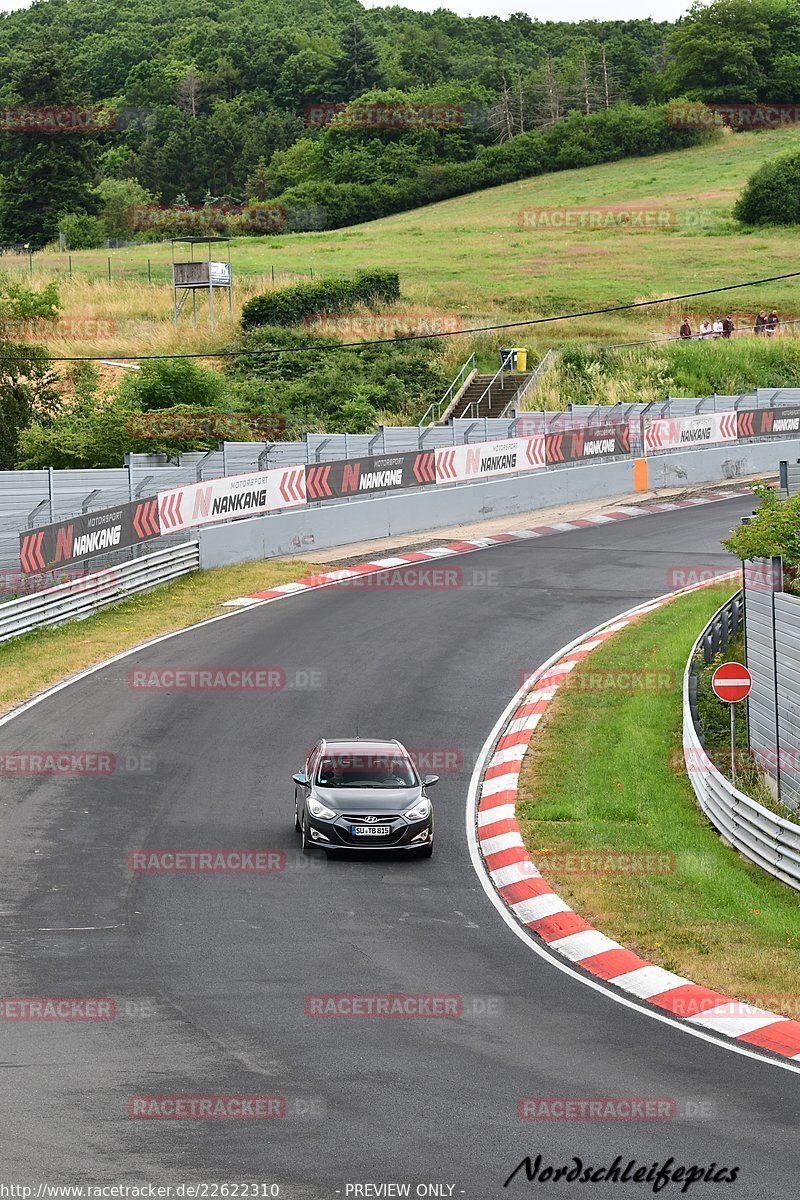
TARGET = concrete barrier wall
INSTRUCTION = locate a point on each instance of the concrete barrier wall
(301, 531)
(719, 462)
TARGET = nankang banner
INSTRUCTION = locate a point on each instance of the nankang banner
(231, 496)
(481, 459)
(678, 433)
(768, 422)
(575, 445)
(86, 536)
(372, 473)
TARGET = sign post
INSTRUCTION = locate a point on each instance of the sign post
(732, 682)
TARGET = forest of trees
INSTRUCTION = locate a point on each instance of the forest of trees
(221, 102)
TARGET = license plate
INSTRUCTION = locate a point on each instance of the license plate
(370, 830)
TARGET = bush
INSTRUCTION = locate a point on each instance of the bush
(165, 383)
(82, 232)
(322, 387)
(168, 409)
(290, 306)
(23, 302)
(772, 194)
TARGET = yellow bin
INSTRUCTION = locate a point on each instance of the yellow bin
(522, 358)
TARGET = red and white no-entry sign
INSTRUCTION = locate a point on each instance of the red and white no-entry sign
(731, 682)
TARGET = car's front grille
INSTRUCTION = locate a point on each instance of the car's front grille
(373, 819)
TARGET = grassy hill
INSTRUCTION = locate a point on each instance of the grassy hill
(470, 258)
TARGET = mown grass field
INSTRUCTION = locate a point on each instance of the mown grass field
(605, 774)
(471, 259)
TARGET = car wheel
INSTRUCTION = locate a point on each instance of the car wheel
(296, 816)
(425, 852)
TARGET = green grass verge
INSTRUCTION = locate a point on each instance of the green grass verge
(605, 773)
(32, 663)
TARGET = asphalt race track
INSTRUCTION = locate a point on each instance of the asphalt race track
(210, 972)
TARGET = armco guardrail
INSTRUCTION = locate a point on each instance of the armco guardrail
(769, 841)
(83, 596)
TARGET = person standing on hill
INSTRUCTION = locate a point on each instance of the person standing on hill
(705, 329)
(761, 321)
(772, 324)
(728, 326)
(717, 327)
(685, 330)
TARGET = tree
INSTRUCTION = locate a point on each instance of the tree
(549, 108)
(730, 50)
(120, 199)
(27, 394)
(45, 174)
(774, 530)
(189, 92)
(357, 69)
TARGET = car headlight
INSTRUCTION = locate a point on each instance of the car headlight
(319, 810)
(420, 811)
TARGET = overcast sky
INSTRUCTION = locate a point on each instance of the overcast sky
(567, 10)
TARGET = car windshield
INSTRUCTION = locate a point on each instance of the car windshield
(365, 771)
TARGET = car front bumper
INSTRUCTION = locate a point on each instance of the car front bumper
(337, 835)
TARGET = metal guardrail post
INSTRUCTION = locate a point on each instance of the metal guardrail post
(200, 465)
(87, 500)
(34, 513)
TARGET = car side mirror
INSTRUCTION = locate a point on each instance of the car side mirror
(430, 780)
(301, 778)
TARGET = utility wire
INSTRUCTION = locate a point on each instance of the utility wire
(414, 337)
